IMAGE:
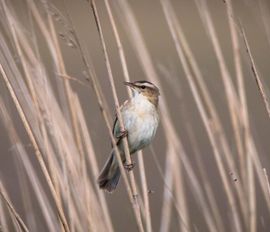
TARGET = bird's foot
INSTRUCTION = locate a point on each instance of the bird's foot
(135, 196)
(130, 166)
(150, 191)
(122, 134)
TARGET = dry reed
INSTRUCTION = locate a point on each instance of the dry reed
(51, 113)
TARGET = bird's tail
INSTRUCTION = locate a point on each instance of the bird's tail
(110, 174)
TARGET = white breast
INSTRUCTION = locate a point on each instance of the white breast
(141, 121)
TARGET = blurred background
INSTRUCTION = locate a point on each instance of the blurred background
(254, 16)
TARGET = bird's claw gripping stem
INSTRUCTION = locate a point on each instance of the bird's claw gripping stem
(130, 166)
(122, 134)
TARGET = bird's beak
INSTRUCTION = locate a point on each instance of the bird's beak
(129, 84)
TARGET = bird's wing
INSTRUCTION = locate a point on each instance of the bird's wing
(115, 130)
(116, 127)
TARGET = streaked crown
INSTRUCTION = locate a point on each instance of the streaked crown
(147, 89)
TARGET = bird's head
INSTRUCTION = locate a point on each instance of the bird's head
(146, 88)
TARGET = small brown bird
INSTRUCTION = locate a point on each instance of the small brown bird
(140, 118)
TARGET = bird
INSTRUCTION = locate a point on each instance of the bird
(140, 118)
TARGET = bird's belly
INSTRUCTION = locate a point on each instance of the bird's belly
(141, 130)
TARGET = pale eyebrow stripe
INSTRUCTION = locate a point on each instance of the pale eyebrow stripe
(146, 84)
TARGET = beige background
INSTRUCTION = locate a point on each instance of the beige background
(156, 34)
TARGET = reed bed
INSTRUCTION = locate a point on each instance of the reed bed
(55, 144)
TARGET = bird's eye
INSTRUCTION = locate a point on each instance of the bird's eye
(143, 86)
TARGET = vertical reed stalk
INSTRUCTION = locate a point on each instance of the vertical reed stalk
(119, 117)
(12, 210)
(127, 78)
(204, 116)
(36, 148)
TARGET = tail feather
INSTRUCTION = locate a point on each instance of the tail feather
(110, 174)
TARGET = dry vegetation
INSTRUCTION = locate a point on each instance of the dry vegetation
(64, 181)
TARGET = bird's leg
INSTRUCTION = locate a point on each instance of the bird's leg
(122, 134)
(130, 166)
